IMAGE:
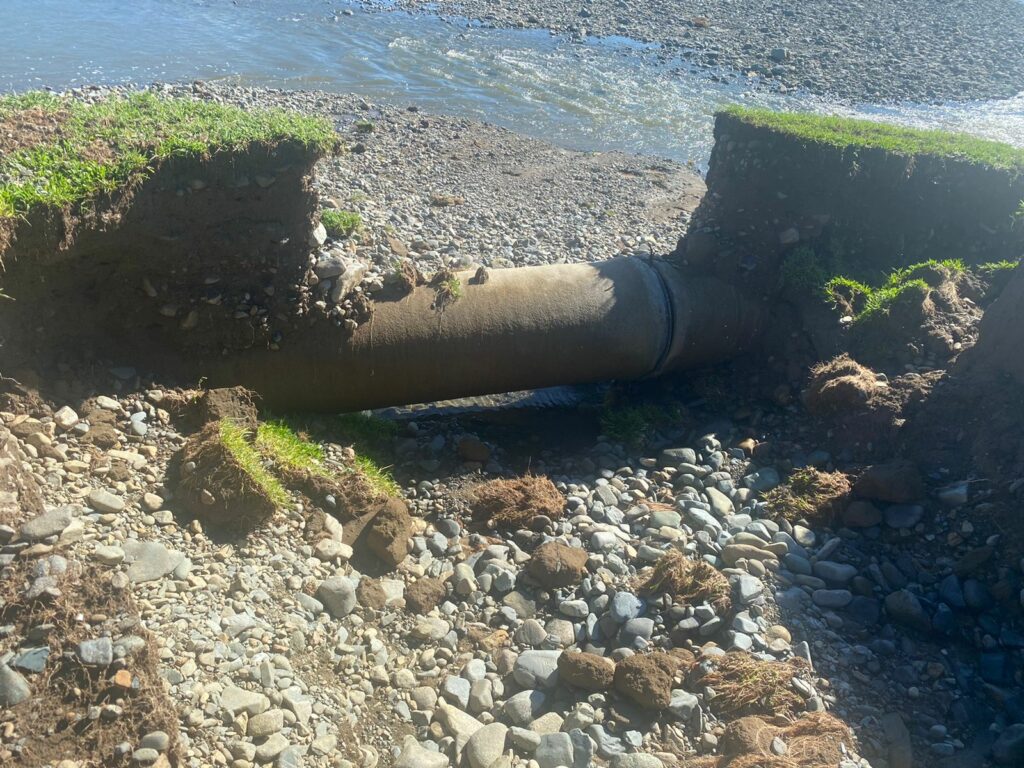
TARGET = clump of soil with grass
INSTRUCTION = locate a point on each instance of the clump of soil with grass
(224, 481)
(745, 685)
(811, 495)
(447, 288)
(513, 503)
(690, 581)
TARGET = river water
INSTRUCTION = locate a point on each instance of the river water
(602, 94)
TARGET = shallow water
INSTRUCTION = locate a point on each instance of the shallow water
(604, 94)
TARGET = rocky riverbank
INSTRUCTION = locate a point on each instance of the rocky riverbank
(456, 191)
(913, 50)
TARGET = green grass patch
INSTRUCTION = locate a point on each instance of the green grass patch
(285, 445)
(365, 126)
(105, 145)
(633, 425)
(340, 224)
(378, 477)
(846, 132)
(366, 430)
(992, 268)
(235, 440)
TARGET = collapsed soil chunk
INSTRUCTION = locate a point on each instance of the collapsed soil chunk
(424, 595)
(586, 671)
(370, 594)
(513, 503)
(223, 481)
(555, 565)
(237, 404)
(839, 386)
(647, 679)
(810, 495)
(895, 482)
(745, 685)
(814, 740)
(689, 581)
(388, 534)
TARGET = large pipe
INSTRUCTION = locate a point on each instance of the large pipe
(626, 318)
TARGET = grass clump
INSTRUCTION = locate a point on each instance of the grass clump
(366, 429)
(365, 126)
(691, 581)
(846, 132)
(810, 495)
(99, 147)
(513, 503)
(235, 440)
(633, 425)
(991, 268)
(340, 224)
(745, 685)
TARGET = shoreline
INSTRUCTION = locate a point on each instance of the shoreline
(915, 50)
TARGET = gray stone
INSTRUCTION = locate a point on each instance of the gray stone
(486, 745)
(236, 700)
(836, 573)
(554, 750)
(582, 749)
(903, 515)
(145, 755)
(96, 653)
(14, 688)
(683, 704)
(271, 748)
(456, 690)
(157, 740)
(265, 723)
(415, 756)
(338, 594)
(537, 669)
(721, 504)
(832, 598)
(636, 760)
(665, 517)
(522, 708)
(50, 523)
(150, 560)
(1008, 749)
(747, 589)
(291, 757)
(903, 607)
(625, 606)
(104, 501)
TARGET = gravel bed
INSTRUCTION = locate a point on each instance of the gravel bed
(869, 51)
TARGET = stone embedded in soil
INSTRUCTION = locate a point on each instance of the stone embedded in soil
(50, 523)
(96, 653)
(14, 688)
(646, 679)
(150, 560)
(556, 565)
(338, 594)
(104, 501)
(587, 671)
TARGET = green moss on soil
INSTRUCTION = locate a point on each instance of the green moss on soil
(846, 132)
(102, 146)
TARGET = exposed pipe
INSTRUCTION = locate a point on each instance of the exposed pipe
(625, 318)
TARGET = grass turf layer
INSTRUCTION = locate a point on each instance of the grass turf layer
(846, 132)
(99, 147)
(235, 441)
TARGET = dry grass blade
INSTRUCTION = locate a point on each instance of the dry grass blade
(692, 581)
(744, 685)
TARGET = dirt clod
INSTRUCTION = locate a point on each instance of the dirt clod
(424, 595)
(587, 671)
(895, 482)
(555, 565)
(371, 594)
(388, 534)
(647, 679)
